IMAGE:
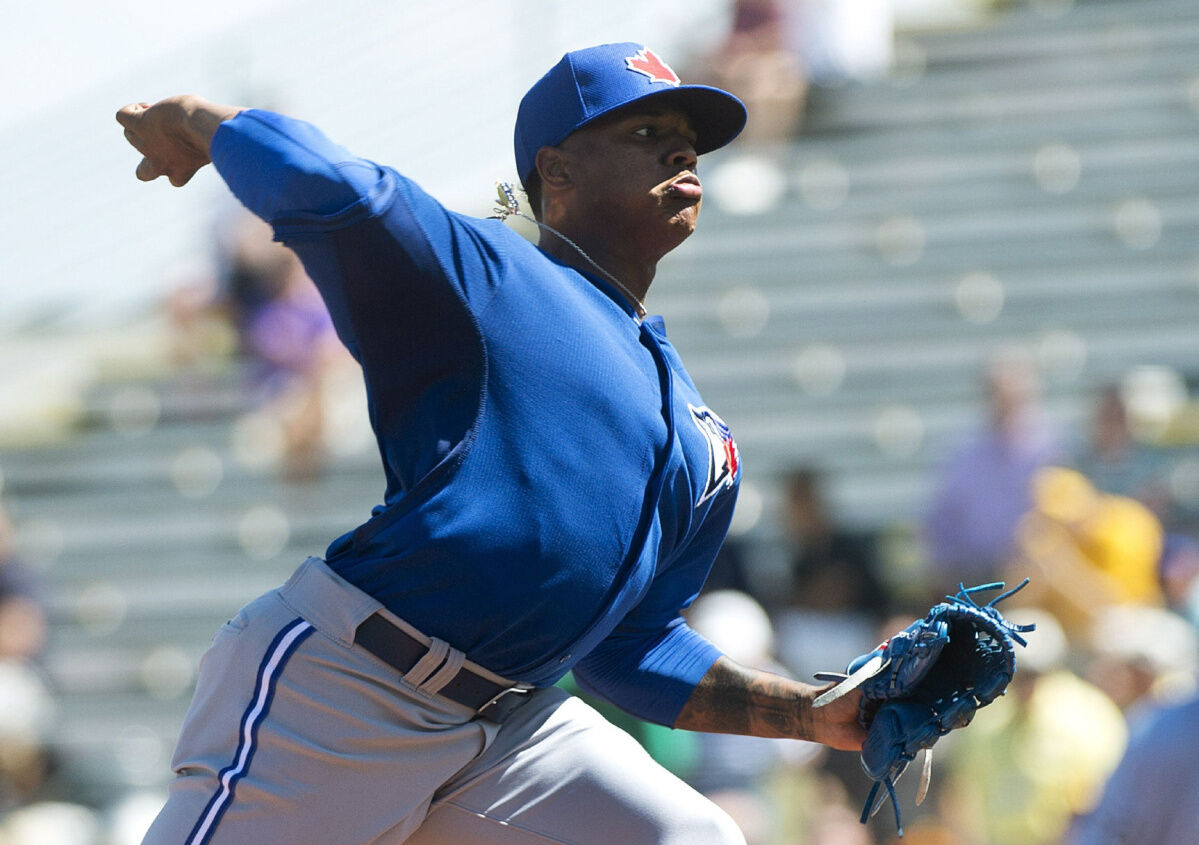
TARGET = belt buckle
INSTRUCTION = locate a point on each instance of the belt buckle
(500, 707)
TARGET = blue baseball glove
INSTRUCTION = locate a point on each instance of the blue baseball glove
(925, 681)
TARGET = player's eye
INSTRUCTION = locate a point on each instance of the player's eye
(646, 131)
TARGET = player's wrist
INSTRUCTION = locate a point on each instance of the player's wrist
(200, 119)
(834, 724)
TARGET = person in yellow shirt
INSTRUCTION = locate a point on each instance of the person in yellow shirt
(1036, 758)
(1085, 550)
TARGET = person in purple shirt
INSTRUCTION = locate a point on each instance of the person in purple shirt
(983, 490)
(1152, 798)
(555, 493)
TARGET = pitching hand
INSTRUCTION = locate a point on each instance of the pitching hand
(173, 135)
(836, 723)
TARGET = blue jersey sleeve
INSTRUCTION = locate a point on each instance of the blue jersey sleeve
(651, 662)
(649, 674)
(285, 170)
(402, 276)
(310, 189)
(278, 167)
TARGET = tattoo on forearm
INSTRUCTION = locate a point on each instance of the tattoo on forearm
(737, 700)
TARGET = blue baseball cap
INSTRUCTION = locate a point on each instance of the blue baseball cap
(589, 83)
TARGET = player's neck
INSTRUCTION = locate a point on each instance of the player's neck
(632, 278)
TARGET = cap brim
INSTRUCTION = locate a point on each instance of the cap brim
(716, 116)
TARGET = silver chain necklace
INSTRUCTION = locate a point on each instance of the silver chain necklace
(508, 206)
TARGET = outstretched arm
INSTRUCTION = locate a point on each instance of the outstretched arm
(173, 135)
(732, 698)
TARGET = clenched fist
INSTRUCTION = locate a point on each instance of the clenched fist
(173, 135)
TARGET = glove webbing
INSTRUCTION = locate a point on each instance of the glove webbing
(965, 596)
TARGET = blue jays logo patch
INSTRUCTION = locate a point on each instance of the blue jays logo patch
(647, 62)
(723, 457)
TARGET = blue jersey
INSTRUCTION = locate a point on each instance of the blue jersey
(556, 487)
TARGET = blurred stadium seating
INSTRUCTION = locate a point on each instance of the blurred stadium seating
(1030, 181)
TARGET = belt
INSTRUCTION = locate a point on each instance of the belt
(395, 647)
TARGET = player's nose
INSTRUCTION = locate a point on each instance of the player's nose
(682, 155)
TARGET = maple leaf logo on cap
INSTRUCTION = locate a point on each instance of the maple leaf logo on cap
(647, 62)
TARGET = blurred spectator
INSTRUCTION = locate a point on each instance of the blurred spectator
(1038, 756)
(52, 823)
(735, 771)
(26, 714)
(26, 705)
(983, 490)
(837, 599)
(1153, 796)
(288, 336)
(1085, 550)
(843, 40)
(730, 569)
(282, 330)
(774, 48)
(1116, 462)
(833, 568)
(22, 615)
(835, 816)
(757, 63)
(201, 325)
(1179, 574)
(127, 819)
(1142, 657)
(836, 608)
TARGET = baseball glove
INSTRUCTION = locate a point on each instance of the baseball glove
(926, 681)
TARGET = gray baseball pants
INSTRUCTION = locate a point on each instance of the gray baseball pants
(296, 735)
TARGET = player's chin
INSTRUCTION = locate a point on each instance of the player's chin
(678, 228)
(685, 216)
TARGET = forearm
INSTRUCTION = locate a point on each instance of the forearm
(735, 699)
(198, 120)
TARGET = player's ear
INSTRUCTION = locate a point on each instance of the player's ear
(554, 168)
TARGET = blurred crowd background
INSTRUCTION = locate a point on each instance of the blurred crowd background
(945, 292)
